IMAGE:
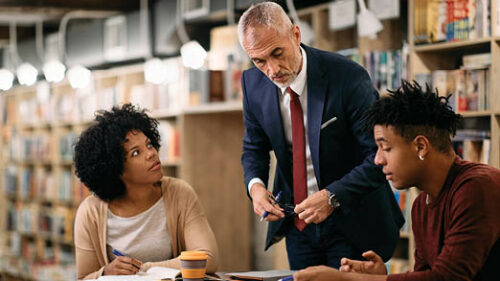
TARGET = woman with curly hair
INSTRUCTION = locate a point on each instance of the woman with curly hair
(133, 209)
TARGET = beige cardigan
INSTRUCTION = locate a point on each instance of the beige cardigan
(186, 222)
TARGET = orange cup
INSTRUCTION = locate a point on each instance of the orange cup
(193, 265)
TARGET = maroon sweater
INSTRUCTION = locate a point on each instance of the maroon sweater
(457, 234)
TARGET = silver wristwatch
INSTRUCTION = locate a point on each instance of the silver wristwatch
(332, 200)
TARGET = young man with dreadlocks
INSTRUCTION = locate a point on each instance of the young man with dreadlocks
(456, 217)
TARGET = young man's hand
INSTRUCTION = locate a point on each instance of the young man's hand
(373, 264)
(317, 273)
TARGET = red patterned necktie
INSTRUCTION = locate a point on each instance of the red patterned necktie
(299, 154)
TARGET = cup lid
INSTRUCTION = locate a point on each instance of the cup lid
(193, 255)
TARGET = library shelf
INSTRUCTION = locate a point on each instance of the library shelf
(218, 107)
(482, 113)
(446, 46)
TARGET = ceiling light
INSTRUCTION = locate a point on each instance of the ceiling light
(155, 71)
(26, 74)
(54, 71)
(6, 79)
(79, 77)
(368, 24)
(193, 55)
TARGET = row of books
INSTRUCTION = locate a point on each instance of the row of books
(66, 144)
(387, 68)
(169, 142)
(470, 85)
(40, 271)
(38, 259)
(404, 201)
(473, 145)
(39, 147)
(470, 88)
(451, 20)
(54, 223)
(44, 185)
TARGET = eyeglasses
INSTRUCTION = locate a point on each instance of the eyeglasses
(287, 208)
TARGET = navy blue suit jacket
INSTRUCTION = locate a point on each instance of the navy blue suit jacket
(342, 153)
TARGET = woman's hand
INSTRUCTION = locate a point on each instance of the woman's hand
(122, 266)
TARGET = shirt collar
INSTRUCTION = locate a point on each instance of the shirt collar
(298, 85)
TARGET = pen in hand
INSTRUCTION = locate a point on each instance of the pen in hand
(117, 253)
(120, 254)
(276, 201)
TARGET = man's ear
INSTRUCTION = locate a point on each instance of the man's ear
(296, 34)
(422, 146)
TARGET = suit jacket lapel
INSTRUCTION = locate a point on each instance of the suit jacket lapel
(275, 124)
(316, 93)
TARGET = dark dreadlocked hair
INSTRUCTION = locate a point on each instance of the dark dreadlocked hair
(413, 111)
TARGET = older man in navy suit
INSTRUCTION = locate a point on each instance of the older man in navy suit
(305, 105)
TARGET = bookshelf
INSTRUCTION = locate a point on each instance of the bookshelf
(200, 144)
(430, 57)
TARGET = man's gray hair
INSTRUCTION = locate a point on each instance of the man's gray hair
(267, 14)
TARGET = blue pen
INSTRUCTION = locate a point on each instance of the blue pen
(120, 254)
(275, 202)
(117, 253)
(288, 278)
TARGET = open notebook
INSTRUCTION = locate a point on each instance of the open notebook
(153, 274)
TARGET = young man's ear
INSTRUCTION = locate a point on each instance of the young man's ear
(422, 145)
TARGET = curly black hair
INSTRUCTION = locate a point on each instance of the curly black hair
(413, 111)
(99, 151)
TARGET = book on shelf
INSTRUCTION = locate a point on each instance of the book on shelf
(216, 86)
(65, 148)
(169, 142)
(10, 180)
(469, 87)
(198, 81)
(403, 199)
(232, 79)
(451, 20)
(386, 68)
(476, 61)
(473, 145)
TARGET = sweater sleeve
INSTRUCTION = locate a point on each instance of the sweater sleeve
(198, 236)
(87, 264)
(473, 230)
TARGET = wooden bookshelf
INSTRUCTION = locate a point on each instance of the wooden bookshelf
(208, 138)
(446, 46)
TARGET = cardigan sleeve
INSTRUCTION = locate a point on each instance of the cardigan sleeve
(193, 228)
(87, 261)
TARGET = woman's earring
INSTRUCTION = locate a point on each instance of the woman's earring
(421, 157)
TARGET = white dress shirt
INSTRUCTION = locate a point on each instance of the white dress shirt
(299, 86)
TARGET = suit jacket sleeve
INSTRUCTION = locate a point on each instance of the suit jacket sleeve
(357, 97)
(256, 146)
